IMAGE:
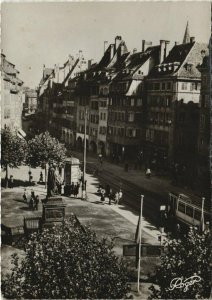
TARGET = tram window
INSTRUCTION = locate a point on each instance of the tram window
(181, 207)
(197, 215)
(189, 211)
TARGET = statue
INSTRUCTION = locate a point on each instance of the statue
(52, 187)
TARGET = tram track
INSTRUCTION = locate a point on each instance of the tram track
(131, 193)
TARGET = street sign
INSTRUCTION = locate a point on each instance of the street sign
(129, 250)
(150, 250)
(146, 250)
(162, 207)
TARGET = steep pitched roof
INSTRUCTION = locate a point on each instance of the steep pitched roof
(182, 61)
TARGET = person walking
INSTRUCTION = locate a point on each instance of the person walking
(25, 196)
(41, 177)
(31, 203)
(102, 196)
(62, 188)
(120, 196)
(11, 181)
(116, 198)
(36, 201)
(148, 173)
(110, 196)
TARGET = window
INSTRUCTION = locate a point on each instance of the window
(184, 85)
(131, 117)
(189, 211)
(163, 86)
(157, 86)
(6, 113)
(139, 102)
(168, 85)
(168, 102)
(181, 207)
(132, 102)
(131, 132)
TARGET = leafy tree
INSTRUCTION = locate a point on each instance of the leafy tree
(182, 259)
(67, 263)
(44, 148)
(13, 150)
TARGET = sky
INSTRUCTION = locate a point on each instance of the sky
(34, 34)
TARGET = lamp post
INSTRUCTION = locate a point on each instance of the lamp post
(84, 159)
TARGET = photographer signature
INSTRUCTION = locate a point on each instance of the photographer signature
(180, 283)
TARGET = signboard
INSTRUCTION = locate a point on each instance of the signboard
(146, 250)
(150, 250)
(129, 250)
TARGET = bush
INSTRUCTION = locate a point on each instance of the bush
(190, 256)
(67, 262)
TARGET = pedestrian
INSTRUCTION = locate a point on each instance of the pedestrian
(11, 182)
(120, 195)
(72, 189)
(107, 190)
(31, 203)
(41, 177)
(178, 230)
(25, 196)
(33, 194)
(102, 196)
(75, 192)
(30, 178)
(62, 188)
(116, 198)
(148, 173)
(36, 201)
(110, 196)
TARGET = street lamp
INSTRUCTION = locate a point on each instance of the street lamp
(84, 160)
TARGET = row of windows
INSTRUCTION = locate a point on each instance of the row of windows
(156, 136)
(116, 101)
(161, 101)
(94, 105)
(103, 116)
(93, 132)
(116, 116)
(159, 118)
(192, 86)
(120, 131)
(94, 119)
(103, 130)
(6, 113)
(164, 86)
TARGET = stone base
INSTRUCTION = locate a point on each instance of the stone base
(53, 210)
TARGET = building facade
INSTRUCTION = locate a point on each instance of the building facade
(12, 96)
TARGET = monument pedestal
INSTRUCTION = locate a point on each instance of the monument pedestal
(53, 211)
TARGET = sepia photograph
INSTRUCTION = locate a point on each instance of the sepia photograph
(105, 150)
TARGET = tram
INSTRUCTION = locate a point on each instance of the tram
(181, 206)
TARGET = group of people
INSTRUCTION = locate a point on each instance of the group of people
(72, 189)
(33, 201)
(108, 193)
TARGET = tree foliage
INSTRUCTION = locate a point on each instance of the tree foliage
(183, 259)
(13, 148)
(67, 263)
(44, 148)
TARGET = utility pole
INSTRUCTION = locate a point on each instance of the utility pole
(139, 247)
(84, 159)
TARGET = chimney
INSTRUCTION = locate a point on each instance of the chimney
(89, 63)
(43, 70)
(134, 50)
(163, 49)
(111, 51)
(192, 39)
(145, 45)
(105, 43)
(117, 41)
(122, 50)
